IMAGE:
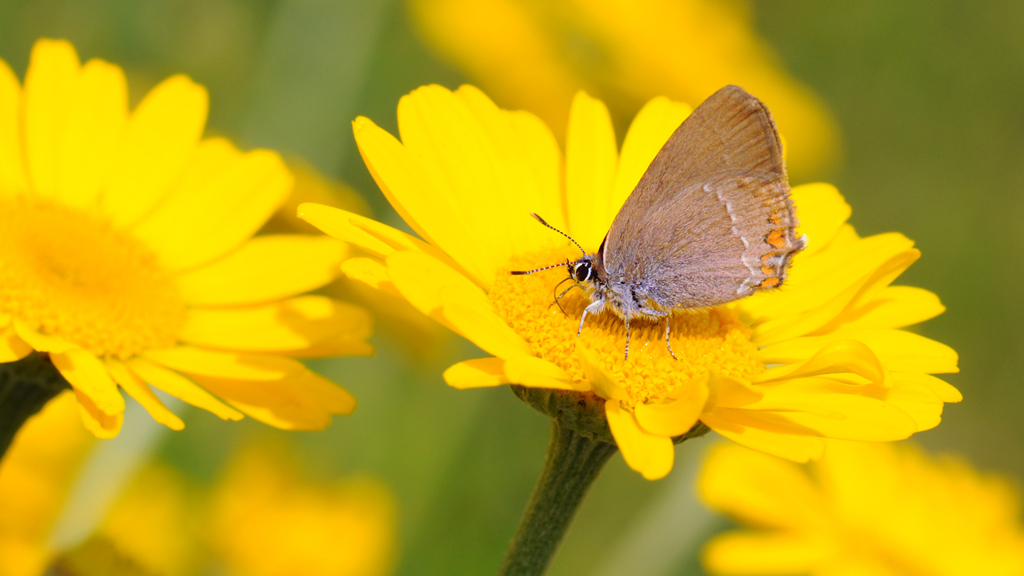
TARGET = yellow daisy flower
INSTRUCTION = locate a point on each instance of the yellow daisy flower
(823, 357)
(536, 55)
(863, 509)
(126, 254)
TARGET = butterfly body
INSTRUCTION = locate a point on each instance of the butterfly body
(710, 221)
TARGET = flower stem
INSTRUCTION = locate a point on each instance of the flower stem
(572, 464)
(25, 387)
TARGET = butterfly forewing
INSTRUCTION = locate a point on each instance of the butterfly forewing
(711, 219)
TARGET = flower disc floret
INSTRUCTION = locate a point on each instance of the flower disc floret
(70, 274)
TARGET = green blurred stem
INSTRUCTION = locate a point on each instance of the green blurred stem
(572, 464)
(25, 387)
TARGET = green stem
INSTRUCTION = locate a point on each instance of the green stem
(572, 464)
(25, 387)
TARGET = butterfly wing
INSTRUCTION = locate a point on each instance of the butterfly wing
(711, 219)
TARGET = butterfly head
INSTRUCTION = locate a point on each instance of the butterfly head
(582, 270)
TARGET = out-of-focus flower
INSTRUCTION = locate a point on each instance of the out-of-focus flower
(156, 523)
(466, 176)
(536, 55)
(126, 253)
(863, 509)
(34, 479)
(267, 522)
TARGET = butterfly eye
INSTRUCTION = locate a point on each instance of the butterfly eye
(582, 271)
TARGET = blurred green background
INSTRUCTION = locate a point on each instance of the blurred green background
(929, 98)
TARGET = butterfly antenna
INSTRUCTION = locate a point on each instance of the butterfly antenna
(522, 272)
(541, 220)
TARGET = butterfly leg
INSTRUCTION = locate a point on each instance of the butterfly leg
(627, 338)
(582, 318)
(668, 324)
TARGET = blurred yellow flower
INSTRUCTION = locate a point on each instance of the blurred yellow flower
(535, 55)
(35, 476)
(126, 253)
(778, 372)
(156, 523)
(267, 522)
(863, 509)
(262, 518)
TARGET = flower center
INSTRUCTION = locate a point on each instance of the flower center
(71, 274)
(702, 340)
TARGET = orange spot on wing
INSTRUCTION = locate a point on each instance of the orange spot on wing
(769, 283)
(777, 238)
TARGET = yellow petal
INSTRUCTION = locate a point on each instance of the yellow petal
(87, 375)
(676, 417)
(766, 553)
(200, 362)
(789, 442)
(532, 138)
(944, 391)
(12, 164)
(918, 401)
(142, 394)
(834, 410)
(368, 235)
(96, 117)
(181, 387)
(460, 145)
(759, 489)
(264, 269)
(826, 316)
(292, 324)
(41, 342)
(11, 346)
(841, 356)
(371, 272)
(352, 343)
(898, 351)
(539, 373)
(591, 160)
(893, 307)
(816, 280)
(520, 162)
(219, 213)
(481, 325)
(602, 382)
(49, 85)
(478, 373)
(728, 392)
(821, 211)
(95, 420)
(161, 136)
(304, 401)
(648, 454)
(651, 128)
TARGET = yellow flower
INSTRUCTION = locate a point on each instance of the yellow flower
(34, 479)
(266, 521)
(863, 509)
(536, 55)
(821, 357)
(262, 518)
(126, 254)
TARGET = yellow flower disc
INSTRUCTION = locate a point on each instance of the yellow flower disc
(70, 274)
(702, 340)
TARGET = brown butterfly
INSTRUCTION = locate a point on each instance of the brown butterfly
(710, 221)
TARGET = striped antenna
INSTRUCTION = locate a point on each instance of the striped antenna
(522, 272)
(541, 220)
